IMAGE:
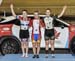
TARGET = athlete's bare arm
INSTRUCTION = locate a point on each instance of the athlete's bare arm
(62, 12)
(12, 10)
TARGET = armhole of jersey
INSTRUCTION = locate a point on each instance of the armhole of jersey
(17, 17)
(42, 22)
(31, 23)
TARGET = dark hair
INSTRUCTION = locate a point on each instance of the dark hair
(48, 9)
(24, 10)
(36, 11)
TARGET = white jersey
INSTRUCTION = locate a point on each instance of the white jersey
(48, 22)
(24, 25)
(36, 24)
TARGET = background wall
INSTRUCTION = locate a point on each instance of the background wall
(41, 5)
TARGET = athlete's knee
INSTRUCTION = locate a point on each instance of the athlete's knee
(22, 44)
(47, 43)
(38, 44)
(34, 45)
(26, 43)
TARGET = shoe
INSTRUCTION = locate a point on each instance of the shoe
(23, 55)
(26, 55)
(46, 56)
(34, 56)
(3, 54)
(37, 56)
(53, 56)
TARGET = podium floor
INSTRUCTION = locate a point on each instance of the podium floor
(58, 57)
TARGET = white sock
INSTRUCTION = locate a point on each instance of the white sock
(26, 54)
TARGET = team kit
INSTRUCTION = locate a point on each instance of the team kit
(36, 24)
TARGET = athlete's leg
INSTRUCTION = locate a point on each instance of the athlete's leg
(26, 46)
(46, 45)
(22, 46)
(47, 48)
(34, 48)
(52, 46)
(38, 48)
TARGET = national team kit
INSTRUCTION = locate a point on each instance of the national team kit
(36, 31)
(47, 23)
(37, 24)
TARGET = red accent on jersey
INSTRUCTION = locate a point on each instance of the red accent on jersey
(40, 25)
(28, 19)
(56, 34)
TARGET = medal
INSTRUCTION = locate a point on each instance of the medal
(36, 30)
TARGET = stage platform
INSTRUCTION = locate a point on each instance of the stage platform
(58, 57)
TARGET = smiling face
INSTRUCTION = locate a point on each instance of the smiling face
(48, 12)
